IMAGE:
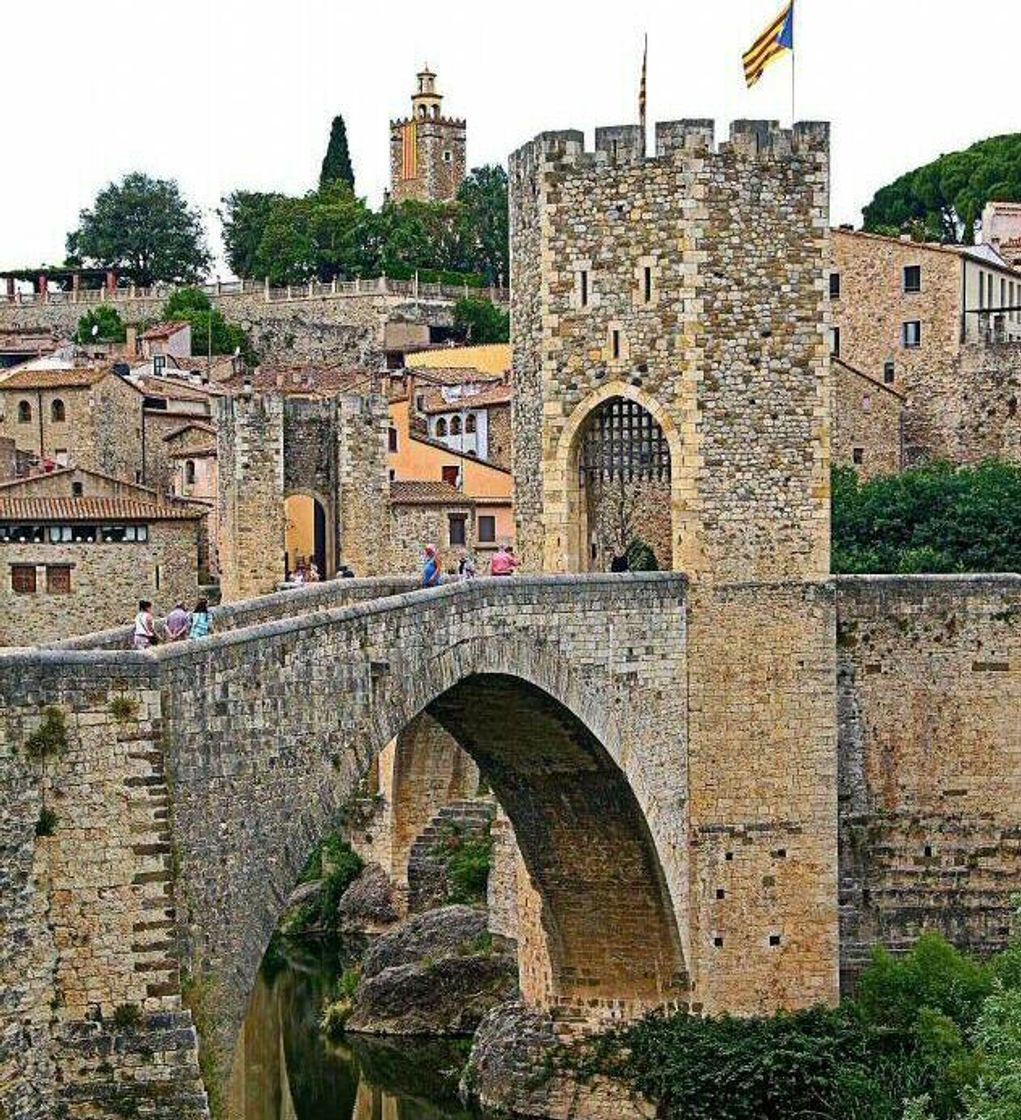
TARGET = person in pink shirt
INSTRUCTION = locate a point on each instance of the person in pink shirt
(504, 562)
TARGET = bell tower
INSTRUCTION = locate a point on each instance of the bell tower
(427, 149)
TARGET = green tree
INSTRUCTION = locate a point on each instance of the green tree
(935, 518)
(111, 327)
(244, 215)
(943, 200)
(481, 321)
(484, 223)
(144, 227)
(208, 326)
(341, 233)
(286, 253)
(337, 161)
(997, 1095)
(419, 236)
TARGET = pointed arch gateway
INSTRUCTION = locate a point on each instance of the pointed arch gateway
(618, 469)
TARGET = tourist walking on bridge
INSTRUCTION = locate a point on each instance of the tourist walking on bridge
(201, 623)
(431, 568)
(504, 562)
(145, 627)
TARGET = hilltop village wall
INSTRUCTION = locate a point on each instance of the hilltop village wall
(333, 329)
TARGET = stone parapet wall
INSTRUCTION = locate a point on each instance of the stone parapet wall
(344, 330)
(930, 760)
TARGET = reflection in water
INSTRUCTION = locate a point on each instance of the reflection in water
(285, 1070)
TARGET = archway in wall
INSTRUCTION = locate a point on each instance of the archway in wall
(610, 943)
(620, 467)
(306, 535)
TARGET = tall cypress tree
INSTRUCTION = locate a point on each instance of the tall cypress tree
(337, 161)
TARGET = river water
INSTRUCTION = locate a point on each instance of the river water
(285, 1069)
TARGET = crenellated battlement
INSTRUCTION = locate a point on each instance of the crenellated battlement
(624, 145)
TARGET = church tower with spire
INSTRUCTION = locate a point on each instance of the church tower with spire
(427, 149)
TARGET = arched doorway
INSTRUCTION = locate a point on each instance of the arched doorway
(621, 465)
(306, 536)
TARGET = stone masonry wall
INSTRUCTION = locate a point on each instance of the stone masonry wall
(930, 760)
(988, 420)
(763, 789)
(107, 580)
(724, 343)
(871, 312)
(92, 1021)
(346, 330)
(102, 428)
(867, 419)
(251, 494)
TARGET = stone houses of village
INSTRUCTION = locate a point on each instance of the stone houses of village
(941, 325)
(79, 548)
(87, 416)
(868, 423)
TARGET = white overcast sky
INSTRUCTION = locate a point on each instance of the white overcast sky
(222, 94)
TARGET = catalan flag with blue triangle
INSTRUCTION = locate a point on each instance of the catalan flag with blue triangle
(770, 45)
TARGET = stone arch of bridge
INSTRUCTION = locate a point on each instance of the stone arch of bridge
(553, 751)
(567, 536)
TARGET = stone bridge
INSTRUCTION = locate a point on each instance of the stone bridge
(667, 754)
(164, 803)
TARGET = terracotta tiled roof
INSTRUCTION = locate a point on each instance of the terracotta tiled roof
(31, 481)
(323, 380)
(452, 375)
(52, 378)
(173, 388)
(418, 437)
(92, 509)
(488, 396)
(198, 426)
(162, 330)
(428, 494)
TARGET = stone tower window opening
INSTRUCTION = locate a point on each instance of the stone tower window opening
(58, 414)
(647, 284)
(583, 287)
(615, 344)
(24, 412)
(623, 441)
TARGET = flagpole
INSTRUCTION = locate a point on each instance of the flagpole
(793, 67)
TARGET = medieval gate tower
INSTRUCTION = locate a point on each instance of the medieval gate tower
(673, 387)
(427, 149)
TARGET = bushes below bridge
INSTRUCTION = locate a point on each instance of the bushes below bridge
(935, 518)
(933, 1035)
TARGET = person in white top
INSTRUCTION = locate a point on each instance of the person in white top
(145, 629)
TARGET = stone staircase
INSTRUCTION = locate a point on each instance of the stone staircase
(428, 884)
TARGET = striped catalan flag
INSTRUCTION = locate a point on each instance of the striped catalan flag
(770, 45)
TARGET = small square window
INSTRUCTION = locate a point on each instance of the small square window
(774, 939)
(912, 334)
(858, 455)
(729, 856)
(913, 278)
(718, 942)
(834, 285)
(780, 853)
(76, 489)
(720, 892)
(23, 578)
(487, 529)
(392, 437)
(928, 851)
(448, 156)
(450, 474)
(58, 579)
(888, 373)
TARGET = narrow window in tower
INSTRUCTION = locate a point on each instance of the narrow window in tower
(583, 287)
(615, 344)
(647, 284)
